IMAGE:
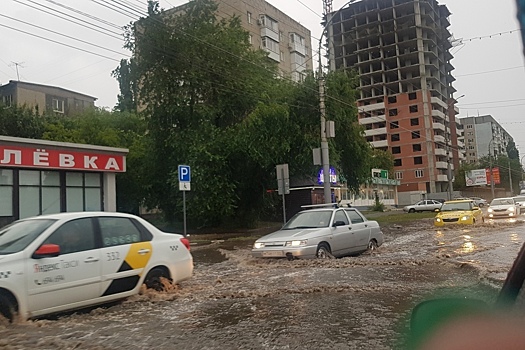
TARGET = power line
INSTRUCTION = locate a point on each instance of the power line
(58, 42)
(69, 20)
(489, 71)
(64, 35)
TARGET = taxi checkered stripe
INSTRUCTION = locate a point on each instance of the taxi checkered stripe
(5, 274)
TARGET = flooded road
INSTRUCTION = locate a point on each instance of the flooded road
(237, 302)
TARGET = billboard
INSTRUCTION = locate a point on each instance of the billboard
(495, 172)
(476, 177)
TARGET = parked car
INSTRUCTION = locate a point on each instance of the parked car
(424, 205)
(321, 233)
(479, 202)
(503, 208)
(463, 212)
(66, 261)
(520, 201)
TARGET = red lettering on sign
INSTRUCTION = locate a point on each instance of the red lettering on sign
(61, 159)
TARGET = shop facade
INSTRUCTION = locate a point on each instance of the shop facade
(40, 177)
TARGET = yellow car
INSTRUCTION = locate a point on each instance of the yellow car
(463, 212)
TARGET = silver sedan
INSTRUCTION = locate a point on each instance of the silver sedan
(321, 233)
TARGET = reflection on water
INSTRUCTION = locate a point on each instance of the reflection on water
(514, 237)
(467, 246)
(440, 237)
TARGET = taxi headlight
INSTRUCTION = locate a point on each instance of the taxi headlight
(465, 218)
(258, 245)
(490, 210)
(438, 219)
(296, 243)
(511, 209)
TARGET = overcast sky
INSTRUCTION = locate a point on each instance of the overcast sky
(489, 66)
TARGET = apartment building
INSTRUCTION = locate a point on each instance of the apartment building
(287, 42)
(400, 49)
(484, 136)
(44, 98)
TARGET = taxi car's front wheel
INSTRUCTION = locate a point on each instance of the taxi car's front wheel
(7, 307)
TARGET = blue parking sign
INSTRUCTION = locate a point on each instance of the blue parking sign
(184, 173)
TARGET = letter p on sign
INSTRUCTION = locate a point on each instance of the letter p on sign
(184, 173)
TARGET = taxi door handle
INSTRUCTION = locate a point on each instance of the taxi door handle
(143, 251)
(90, 259)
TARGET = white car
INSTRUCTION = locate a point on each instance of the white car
(321, 233)
(503, 208)
(66, 261)
(424, 205)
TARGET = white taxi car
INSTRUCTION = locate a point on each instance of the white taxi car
(66, 261)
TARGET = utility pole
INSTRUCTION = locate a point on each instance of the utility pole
(491, 172)
(510, 178)
(448, 141)
(16, 64)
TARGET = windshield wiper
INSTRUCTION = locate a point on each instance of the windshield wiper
(300, 227)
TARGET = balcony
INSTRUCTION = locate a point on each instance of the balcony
(438, 113)
(441, 165)
(270, 33)
(442, 178)
(297, 47)
(439, 138)
(273, 55)
(379, 144)
(372, 107)
(439, 102)
(373, 132)
(371, 120)
(440, 152)
(438, 126)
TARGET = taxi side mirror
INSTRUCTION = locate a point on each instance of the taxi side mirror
(46, 251)
(475, 208)
(437, 210)
(339, 223)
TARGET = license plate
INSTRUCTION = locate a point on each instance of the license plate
(273, 253)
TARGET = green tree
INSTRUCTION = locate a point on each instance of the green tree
(126, 100)
(21, 122)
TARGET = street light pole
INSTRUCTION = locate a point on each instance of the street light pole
(448, 139)
(325, 153)
(491, 172)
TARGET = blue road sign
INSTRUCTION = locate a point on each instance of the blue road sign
(184, 173)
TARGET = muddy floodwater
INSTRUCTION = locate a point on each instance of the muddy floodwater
(235, 301)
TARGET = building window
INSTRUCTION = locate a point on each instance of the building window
(398, 162)
(396, 150)
(394, 137)
(412, 96)
(58, 106)
(415, 135)
(394, 125)
(392, 99)
(7, 100)
(413, 109)
(469, 126)
(414, 121)
(249, 17)
(399, 175)
(282, 56)
(392, 112)
(6, 192)
(250, 39)
(418, 160)
(281, 36)
(419, 174)
(416, 147)
(83, 191)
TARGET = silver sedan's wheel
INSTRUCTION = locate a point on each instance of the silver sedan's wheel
(372, 245)
(323, 251)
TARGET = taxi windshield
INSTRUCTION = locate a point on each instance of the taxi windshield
(456, 206)
(18, 235)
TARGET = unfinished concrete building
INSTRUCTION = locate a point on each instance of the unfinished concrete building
(400, 49)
